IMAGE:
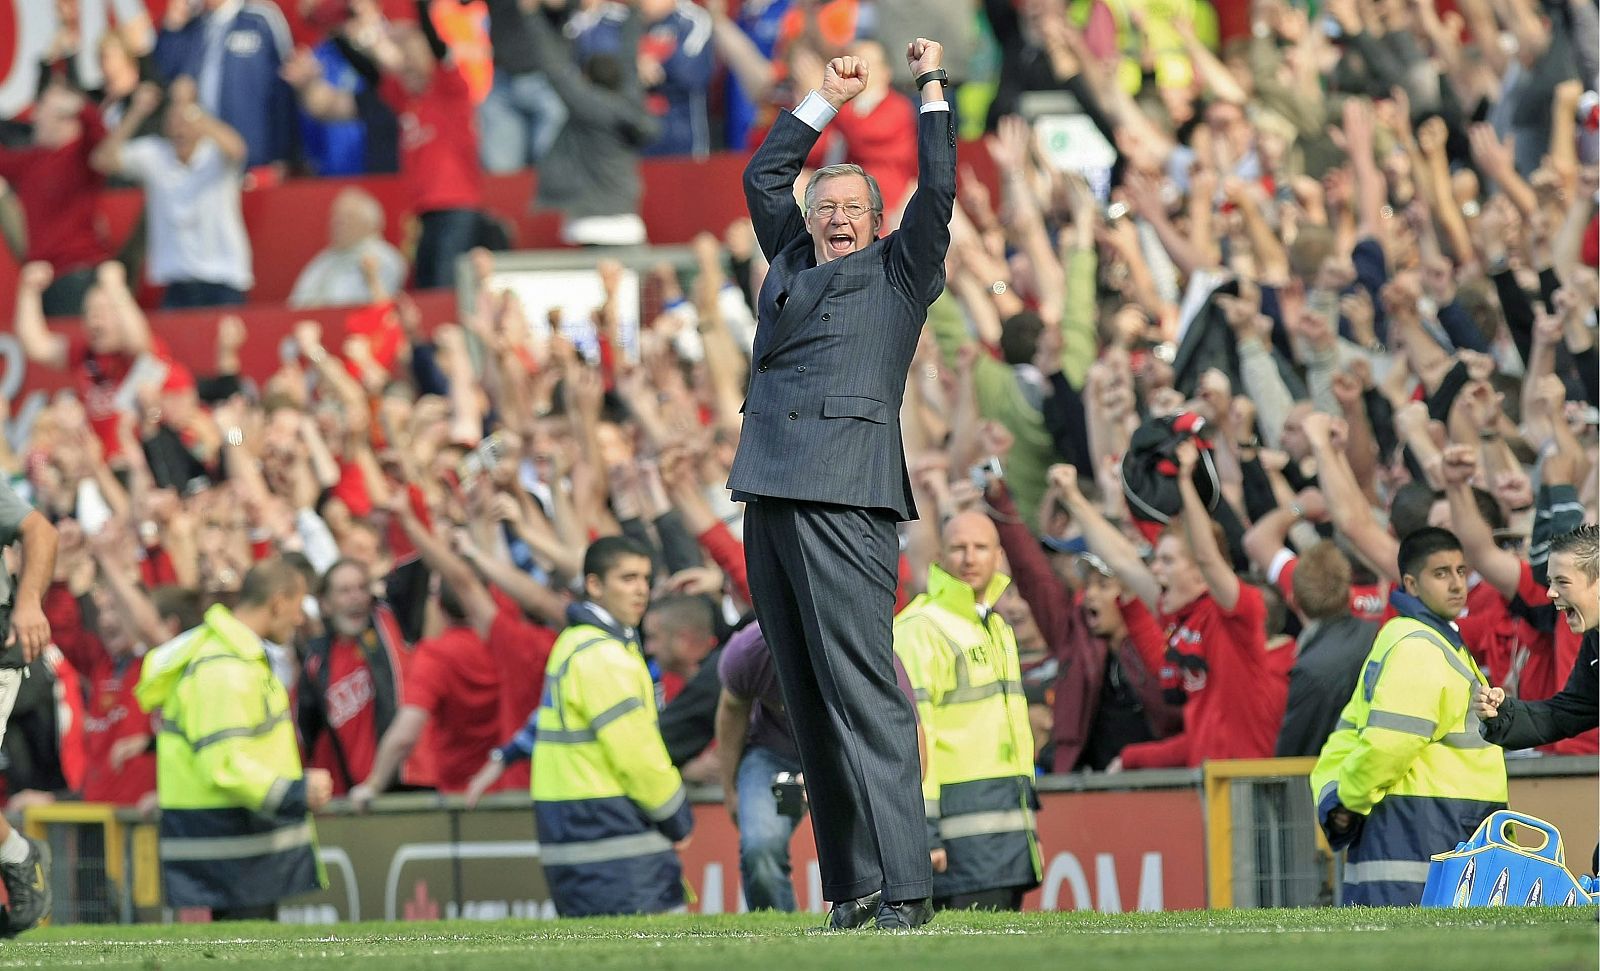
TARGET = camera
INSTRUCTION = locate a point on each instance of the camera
(485, 458)
(789, 789)
(985, 472)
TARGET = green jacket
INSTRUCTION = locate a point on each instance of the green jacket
(1001, 398)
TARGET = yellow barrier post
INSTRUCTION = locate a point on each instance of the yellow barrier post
(1217, 782)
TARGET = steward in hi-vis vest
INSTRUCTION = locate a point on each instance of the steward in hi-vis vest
(609, 805)
(236, 830)
(1406, 773)
(961, 657)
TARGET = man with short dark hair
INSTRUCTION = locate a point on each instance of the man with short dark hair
(1406, 774)
(1333, 643)
(611, 809)
(236, 831)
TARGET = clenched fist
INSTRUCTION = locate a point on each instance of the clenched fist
(923, 55)
(843, 79)
(1486, 701)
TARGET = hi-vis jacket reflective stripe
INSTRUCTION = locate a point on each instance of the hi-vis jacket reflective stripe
(978, 789)
(1407, 756)
(234, 827)
(608, 801)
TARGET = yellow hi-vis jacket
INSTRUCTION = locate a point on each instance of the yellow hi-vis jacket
(608, 802)
(235, 831)
(978, 786)
(1158, 41)
(1406, 755)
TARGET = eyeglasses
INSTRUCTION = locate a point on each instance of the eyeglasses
(853, 210)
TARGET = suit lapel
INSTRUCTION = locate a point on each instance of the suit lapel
(803, 286)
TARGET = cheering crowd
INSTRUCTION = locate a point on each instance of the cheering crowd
(1352, 256)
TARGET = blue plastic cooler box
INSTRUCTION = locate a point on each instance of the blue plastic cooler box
(1490, 870)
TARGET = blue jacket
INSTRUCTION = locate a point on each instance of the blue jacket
(679, 101)
(335, 147)
(249, 94)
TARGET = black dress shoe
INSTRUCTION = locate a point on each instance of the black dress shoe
(847, 915)
(907, 915)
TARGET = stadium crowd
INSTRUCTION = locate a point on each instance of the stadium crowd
(1355, 253)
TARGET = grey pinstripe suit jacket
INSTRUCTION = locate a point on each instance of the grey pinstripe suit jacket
(833, 342)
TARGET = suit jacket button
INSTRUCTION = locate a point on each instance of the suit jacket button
(794, 416)
(762, 369)
(827, 316)
(801, 368)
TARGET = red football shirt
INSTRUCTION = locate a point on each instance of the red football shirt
(521, 648)
(114, 714)
(884, 142)
(438, 141)
(58, 191)
(94, 717)
(97, 379)
(350, 713)
(456, 680)
(1235, 690)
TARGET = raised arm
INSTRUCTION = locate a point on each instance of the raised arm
(453, 571)
(769, 177)
(1210, 558)
(1104, 539)
(38, 343)
(1501, 568)
(916, 265)
(1352, 516)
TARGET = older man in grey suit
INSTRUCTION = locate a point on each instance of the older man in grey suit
(822, 467)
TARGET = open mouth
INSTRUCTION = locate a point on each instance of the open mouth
(841, 243)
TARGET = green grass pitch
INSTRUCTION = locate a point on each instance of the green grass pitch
(1504, 939)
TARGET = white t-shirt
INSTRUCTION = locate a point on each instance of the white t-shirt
(195, 224)
(334, 277)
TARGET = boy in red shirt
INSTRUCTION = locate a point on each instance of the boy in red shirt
(438, 142)
(108, 361)
(1214, 641)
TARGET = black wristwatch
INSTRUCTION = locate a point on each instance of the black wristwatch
(937, 74)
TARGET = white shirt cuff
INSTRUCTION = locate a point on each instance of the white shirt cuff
(935, 106)
(815, 111)
(1280, 560)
